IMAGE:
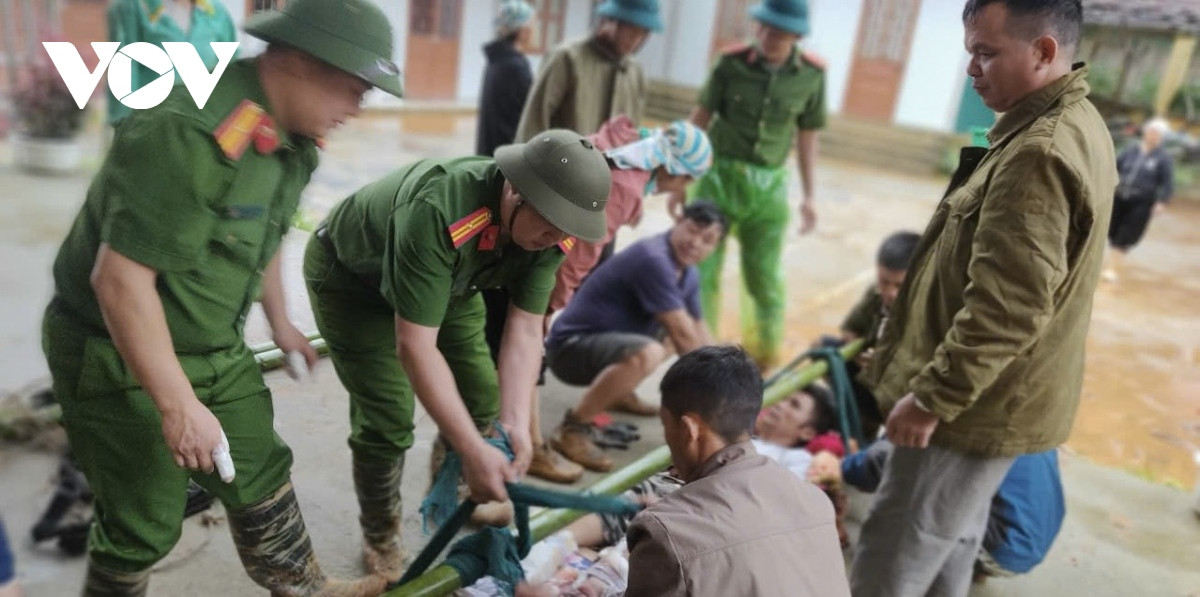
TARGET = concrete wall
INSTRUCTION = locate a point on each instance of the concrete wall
(680, 54)
(933, 78)
(476, 31)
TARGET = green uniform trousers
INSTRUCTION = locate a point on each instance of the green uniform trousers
(754, 198)
(115, 432)
(358, 325)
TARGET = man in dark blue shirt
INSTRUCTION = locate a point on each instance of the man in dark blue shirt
(611, 335)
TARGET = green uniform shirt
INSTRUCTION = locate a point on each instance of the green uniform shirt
(397, 235)
(131, 21)
(756, 110)
(168, 196)
(865, 319)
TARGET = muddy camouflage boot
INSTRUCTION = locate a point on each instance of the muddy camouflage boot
(273, 543)
(377, 485)
(573, 439)
(102, 582)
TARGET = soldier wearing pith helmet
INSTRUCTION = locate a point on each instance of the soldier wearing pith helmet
(178, 236)
(396, 270)
(761, 99)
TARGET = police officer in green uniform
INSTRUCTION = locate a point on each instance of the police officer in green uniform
(396, 270)
(178, 234)
(758, 98)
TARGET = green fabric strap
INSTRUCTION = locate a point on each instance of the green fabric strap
(493, 551)
(850, 425)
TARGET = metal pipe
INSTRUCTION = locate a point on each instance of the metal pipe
(444, 579)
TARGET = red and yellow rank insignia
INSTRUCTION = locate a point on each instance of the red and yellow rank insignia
(469, 227)
(487, 241)
(567, 244)
(248, 123)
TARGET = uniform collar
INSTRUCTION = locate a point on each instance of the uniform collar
(724, 456)
(245, 72)
(755, 58)
(1068, 89)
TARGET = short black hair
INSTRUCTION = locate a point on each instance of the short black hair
(1063, 17)
(720, 384)
(706, 213)
(897, 250)
(825, 415)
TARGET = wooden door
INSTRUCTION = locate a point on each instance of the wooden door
(885, 32)
(431, 59)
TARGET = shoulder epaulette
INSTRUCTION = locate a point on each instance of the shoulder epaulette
(249, 122)
(469, 227)
(811, 57)
(566, 244)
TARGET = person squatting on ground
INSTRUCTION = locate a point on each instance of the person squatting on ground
(866, 320)
(394, 275)
(641, 161)
(787, 433)
(741, 524)
(982, 358)
(616, 331)
(507, 77)
(584, 82)
(1147, 180)
(144, 336)
(758, 98)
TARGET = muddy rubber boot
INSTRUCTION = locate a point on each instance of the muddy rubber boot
(377, 486)
(633, 405)
(494, 514)
(551, 466)
(103, 582)
(573, 439)
(273, 543)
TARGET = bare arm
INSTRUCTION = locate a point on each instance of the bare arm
(485, 468)
(520, 359)
(283, 333)
(134, 316)
(686, 333)
(700, 117)
(806, 157)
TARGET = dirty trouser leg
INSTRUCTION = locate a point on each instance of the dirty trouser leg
(926, 524)
(116, 433)
(718, 185)
(359, 327)
(761, 235)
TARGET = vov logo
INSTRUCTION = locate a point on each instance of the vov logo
(178, 56)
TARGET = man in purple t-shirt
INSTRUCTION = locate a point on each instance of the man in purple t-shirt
(610, 336)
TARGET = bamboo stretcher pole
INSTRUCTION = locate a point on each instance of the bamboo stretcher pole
(442, 580)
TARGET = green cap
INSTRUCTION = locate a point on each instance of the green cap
(352, 35)
(564, 177)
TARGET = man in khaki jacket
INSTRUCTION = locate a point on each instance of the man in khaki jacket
(585, 82)
(983, 358)
(742, 524)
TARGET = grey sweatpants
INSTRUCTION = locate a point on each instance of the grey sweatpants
(926, 525)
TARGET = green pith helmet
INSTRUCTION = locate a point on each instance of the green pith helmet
(564, 177)
(352, 35)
